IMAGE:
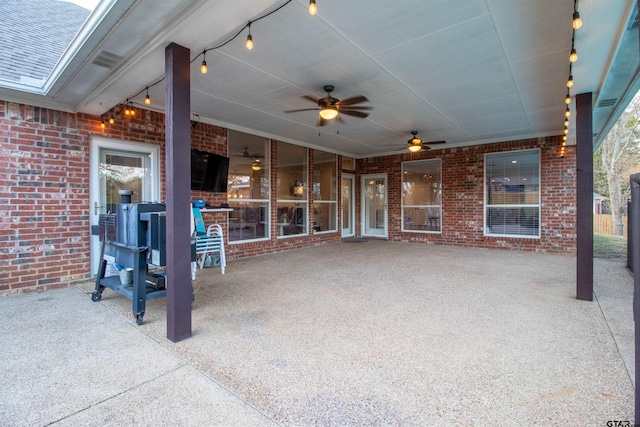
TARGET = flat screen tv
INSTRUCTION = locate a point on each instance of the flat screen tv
(209, 171)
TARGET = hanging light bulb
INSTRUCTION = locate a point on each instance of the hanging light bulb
(577, 22)
(567, 100)
(570, 81)
(566, 131)
(564, 137)
(132, 112)
(566, 122)
(313, 9)
(203, 67)
(126, 108)
(249, 43)
(111, 120)
(147, 100)
(574, 56)
(567, 112)
(102, 125)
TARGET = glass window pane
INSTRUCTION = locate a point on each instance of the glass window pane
(248, 220)
(292, 189)
(512, 186)
(517, 221)
(324, 217)
(248, 187)
(422, 196)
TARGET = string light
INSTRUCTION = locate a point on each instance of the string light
(203, 67)
(573, 57)
(313, 8)
(102, 125)
(127, 106)
(577, 22)
(249, 43)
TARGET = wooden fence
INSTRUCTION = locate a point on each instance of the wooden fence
(602, 224)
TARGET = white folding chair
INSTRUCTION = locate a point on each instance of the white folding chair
(207, 242)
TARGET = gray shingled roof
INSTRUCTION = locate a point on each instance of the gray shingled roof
(34, 34)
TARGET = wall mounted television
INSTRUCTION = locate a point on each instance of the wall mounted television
(209, 171)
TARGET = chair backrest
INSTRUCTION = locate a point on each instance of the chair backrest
(197, 216)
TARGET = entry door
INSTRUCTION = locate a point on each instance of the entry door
(115, 166)
(348, 205)
(374, 205)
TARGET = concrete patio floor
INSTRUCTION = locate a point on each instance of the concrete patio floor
(348, 334)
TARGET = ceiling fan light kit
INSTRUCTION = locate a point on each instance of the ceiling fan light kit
(330, 108)
(416, 144)
(328, 113)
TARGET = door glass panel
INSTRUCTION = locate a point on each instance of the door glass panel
(374, 206)
(123, 171)
(347, 215)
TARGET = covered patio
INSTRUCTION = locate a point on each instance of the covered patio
(371, 333)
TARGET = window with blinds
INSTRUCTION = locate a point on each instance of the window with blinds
(512, 194)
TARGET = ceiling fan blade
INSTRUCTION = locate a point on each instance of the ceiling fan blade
(354, 113)
(310, 98)
(355, 108)
(433, 142)
(354, 100)
(301, 109)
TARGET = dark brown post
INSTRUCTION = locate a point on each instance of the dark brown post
(584, 166)
(178, 185)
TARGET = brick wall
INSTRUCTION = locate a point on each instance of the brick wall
(463, 196)
(44, 194)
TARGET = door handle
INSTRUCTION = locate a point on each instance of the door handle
(96, 208)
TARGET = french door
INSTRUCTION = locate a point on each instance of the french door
(119, 165)
(374, 205)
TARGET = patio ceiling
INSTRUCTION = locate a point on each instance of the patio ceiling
(464, 71)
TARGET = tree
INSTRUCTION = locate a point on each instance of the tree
(616, 159)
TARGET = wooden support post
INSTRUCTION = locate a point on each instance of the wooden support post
(178, 185)
(584, 169)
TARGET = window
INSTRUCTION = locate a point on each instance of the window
(422, 196)
(325, 201)
(248, 188)
(292, 190)
(348, 163)
(512, 194)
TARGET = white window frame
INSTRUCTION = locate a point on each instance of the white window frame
(486, 206)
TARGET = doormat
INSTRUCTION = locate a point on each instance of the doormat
(355, 240)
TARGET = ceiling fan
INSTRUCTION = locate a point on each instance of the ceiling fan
(329, 107)
(415, 144)
(245, 153)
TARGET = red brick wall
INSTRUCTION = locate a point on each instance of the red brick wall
(44, 194)
(463, 196)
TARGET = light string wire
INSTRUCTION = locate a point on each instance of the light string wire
(113, 114)
(570, 82)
